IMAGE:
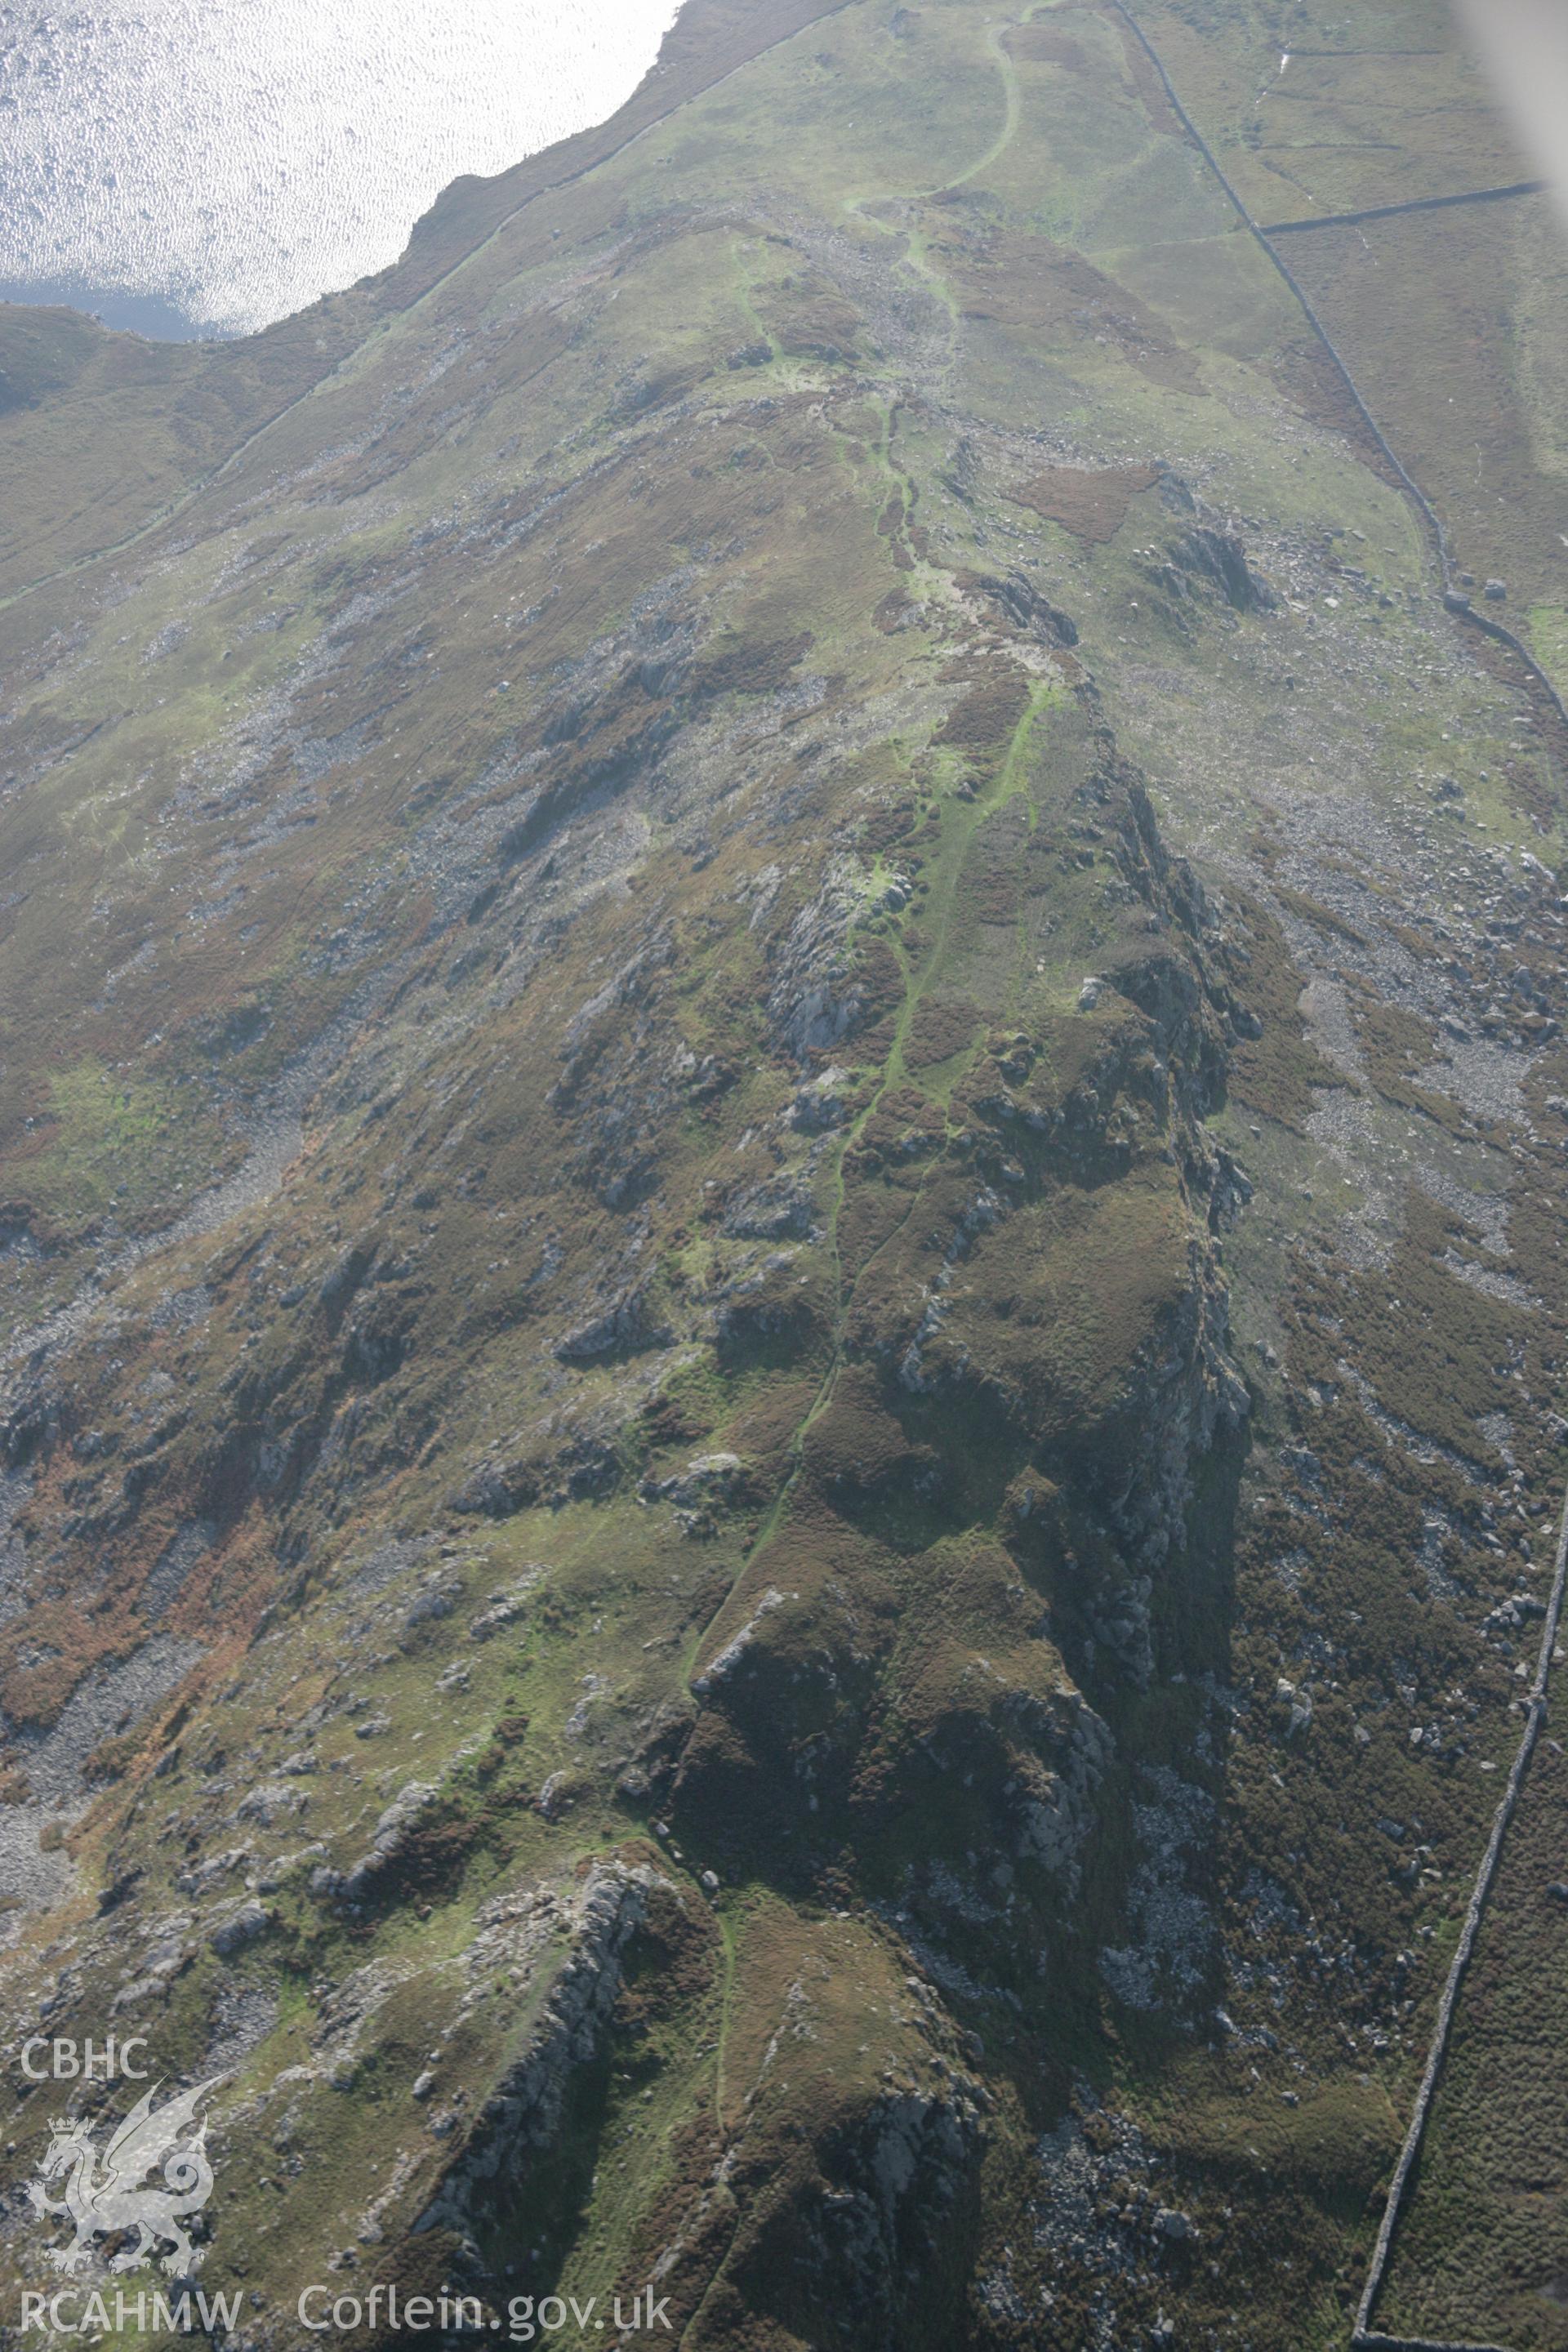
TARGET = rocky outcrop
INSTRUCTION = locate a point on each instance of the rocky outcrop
(901, 2188)
(1213, 562)
(821, 988)
(596, 1920)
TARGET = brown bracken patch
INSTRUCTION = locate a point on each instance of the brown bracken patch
(1090, 502)
(991, 712)
(1043, 45)
(938, 1030)
(1033, 285)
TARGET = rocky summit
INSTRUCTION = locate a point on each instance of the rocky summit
(781, 1197)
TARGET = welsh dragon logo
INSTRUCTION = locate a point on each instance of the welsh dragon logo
(105, 2195)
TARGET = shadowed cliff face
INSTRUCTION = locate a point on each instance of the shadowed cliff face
(653, 953)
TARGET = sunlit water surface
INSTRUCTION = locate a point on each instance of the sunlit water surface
(205, 166)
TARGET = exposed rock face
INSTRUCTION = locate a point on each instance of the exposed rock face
(900, 2193)
(571, 2003)
(391, 1832)
(1204, 558)
(818, 995)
